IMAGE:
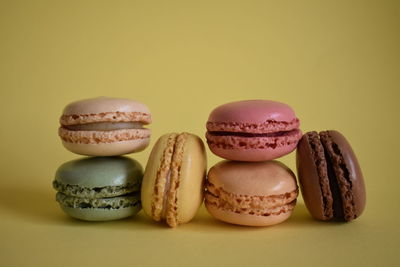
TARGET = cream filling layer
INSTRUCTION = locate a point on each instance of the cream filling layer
(165, 195)
(104, 126)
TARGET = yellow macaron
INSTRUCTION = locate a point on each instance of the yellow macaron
(173, 181)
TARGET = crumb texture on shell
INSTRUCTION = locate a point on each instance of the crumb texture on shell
(268, 126)
(98, 137)
(144, 118)
(251, 205)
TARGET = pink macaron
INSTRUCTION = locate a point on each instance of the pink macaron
(253, 130)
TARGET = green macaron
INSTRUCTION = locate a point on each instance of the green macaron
(99, 188)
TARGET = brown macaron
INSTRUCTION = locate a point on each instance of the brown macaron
(330, 177)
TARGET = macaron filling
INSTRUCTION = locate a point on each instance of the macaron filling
(104, 126)
(249, 134)
(124, 201)
(263, 127)
(165, 195)
(73, 119)
(340, 181)
(96, 192)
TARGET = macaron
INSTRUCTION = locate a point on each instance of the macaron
(251, 193)
(253, 130)
(99, 188)
(330, 177)
(173, 181)
(105, 126)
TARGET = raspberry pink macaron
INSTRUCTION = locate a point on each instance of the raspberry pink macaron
(105, 126)
(253, 130)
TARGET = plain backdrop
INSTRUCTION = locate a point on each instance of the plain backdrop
(337, 63)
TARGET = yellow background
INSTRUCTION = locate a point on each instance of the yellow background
(337, 63)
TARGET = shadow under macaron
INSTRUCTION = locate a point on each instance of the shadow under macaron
(300, 219)
(38, 206)
(32, 204)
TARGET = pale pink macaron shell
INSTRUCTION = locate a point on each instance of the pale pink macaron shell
(104, 104)
(251, 180)
(253, 116)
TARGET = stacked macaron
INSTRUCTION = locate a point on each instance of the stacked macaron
(256, 190)
(106, 186)
(252, 188)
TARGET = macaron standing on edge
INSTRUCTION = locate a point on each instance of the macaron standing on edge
(251, 193)
(99, 188)
(105, 126)
(330, 177)
(252, 130)
(173, 182)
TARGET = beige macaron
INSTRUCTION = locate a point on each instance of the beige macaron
(251, 193)
(173, 182)
(105, 126)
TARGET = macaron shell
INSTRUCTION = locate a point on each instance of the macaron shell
(252, 111)
(246, 219)
(108, 149)
(192, 178)
(98, 172)
(355, 175)
(257, 178)
(251, 193)
(309, 179)
(100, 214)
(104, 104)
(150, 173)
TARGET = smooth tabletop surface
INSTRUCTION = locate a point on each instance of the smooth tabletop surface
(337, 64)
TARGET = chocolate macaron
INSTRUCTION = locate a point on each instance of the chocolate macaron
(330, 177)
